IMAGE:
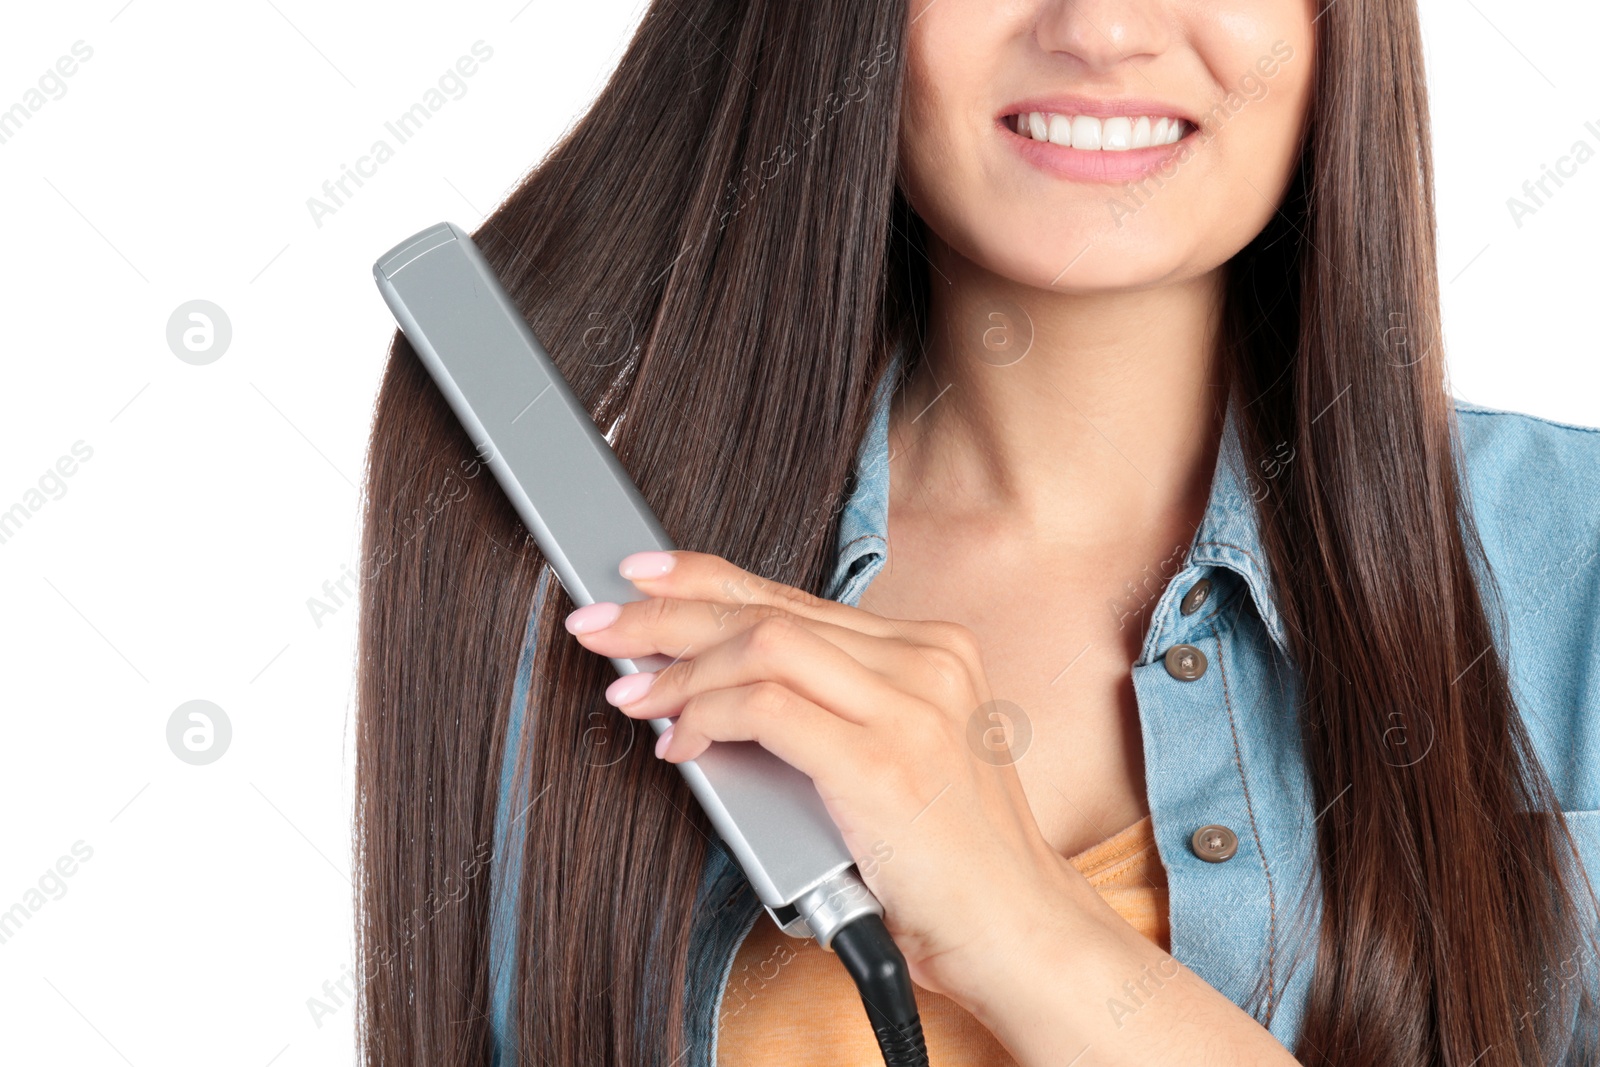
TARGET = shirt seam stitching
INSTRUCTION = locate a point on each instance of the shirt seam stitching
(1255, 833)
(862, 537)
(1239, 548)
(1558, 424)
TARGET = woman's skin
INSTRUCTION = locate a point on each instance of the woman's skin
(1051, 460)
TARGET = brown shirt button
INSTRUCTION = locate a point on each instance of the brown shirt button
(1214, 843)
(1197, 595)
(1185, 662)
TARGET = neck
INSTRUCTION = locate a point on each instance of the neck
(1109, 421)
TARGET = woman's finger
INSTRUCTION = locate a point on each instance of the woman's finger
(784, 649)
(690, 630)
(804, 735)
(702, 576)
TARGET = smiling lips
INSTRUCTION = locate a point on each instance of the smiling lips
(1117, 133)
(1095, 148)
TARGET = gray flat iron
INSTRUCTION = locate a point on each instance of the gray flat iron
(585, 513)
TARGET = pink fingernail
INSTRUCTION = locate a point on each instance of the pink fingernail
(646, 564)
(590, 617)
(629, 687)
(661, 742)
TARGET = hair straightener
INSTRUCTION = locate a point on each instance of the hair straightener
(585, 514)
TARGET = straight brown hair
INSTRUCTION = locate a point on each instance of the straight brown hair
(720, 262)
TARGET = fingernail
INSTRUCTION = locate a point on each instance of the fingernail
(596, 616)
(661, 742)
(646, 564)
(629, 687)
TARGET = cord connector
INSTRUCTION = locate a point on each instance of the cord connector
(881, 974)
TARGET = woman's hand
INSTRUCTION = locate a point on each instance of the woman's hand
(887, 717)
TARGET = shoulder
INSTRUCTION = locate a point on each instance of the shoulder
(1534, 485)
(1502, 439)
(1534, 494)
(1533, 481)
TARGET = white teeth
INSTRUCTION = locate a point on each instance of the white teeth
(1085, 132)
(1117, 134)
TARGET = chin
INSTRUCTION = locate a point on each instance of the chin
(1089, 261)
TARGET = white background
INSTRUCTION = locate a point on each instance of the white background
(218, 499)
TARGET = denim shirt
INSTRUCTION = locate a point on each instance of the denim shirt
(1225, 748)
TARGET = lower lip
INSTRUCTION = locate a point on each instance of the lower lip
(1099, 165)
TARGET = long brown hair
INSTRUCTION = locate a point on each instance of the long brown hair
(719, 260)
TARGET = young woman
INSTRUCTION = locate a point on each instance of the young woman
(1050, 399)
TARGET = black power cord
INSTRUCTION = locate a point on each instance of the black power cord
(875, 962)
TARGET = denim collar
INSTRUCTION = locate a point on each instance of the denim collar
(864, 524)
(1228, 535)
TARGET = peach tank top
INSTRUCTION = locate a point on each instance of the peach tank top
(788, 1001)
